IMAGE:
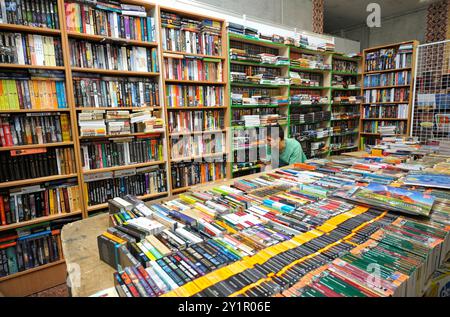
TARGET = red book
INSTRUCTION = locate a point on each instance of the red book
(2, 212)
(127, 280)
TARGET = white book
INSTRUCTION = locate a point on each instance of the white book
(19, 49)
(3, 17)
(123, 64)
(39, 49)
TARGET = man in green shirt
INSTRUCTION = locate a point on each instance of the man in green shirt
(290, 150)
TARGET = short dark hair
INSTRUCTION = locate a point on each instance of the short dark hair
(281, 133)
(272, 130)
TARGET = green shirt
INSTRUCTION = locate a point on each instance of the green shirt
(293, 153)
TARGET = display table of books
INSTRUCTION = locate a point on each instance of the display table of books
(332, 227)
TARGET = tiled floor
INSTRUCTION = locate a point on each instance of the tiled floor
(57, 291)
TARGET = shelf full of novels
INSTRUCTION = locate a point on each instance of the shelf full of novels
(387, 91)
(345, 98)
(39, 175)
(310, 112)
(117, 98)
(259, 92)
(195, 85)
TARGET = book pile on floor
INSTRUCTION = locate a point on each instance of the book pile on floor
(318, 229)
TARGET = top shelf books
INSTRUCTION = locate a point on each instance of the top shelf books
(391, 58)
(190, 35)
(33, 13)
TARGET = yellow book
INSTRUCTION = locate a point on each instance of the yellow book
(146, 251)
(51, 201)
(65, 127)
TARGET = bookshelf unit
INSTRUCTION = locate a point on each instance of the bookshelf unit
(194, 72)
(35, 104)
(310, 110)
(140, 150)
(250, 99)
(346, 87)
(391, 80)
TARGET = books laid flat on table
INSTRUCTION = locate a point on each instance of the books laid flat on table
(428, 180)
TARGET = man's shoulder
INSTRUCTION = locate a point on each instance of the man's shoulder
(292, 143)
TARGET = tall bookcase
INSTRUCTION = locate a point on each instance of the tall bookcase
(345, 102)
(310, 110)
(252, 98)
(388, 79)
(194, 67)
(40, 277)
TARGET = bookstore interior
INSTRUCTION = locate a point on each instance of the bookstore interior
(176, 149)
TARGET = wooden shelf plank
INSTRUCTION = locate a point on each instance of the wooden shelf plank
(309, 70)
(36, 269)
(39, 220)
(34, 146)
(195, 82)
(384, 119)
(192, 54)
(121, 135)
(17, 66)
(102, 38)
(145, 197)
(29, 29)
(27, 182)
(134, 109)
(387, 71)
(386, 103)
(387, 87)
(34, 110)
(309, 87)
(249, 63)
(123, 167)
(113, 72)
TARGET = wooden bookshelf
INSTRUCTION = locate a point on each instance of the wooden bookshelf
(113, 72)
(39, 220)
(221, 58)
(373, 137)
(27, 182)
(101, 38)
(28, 29)
(248, 43)
(34, 146)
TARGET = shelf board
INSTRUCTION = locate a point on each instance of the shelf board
(113, 72)
(102, 38)
(343, 119)
(255, 127)
(386, 103)
(197, 132)
(344, 133)
(309, 51)
(249, 63)
(337, 72)
(144, 197)
(134, 109)
(255, 106)
(346, 58)
(34, 110)
(309, 87)
(195, 82)
(383, 119)
(387, 87)
(197, 108)
(29, 29)
(38, 220)
(309, 70)
(346, 104)
(189, 158)
(253, 40)
(345, 89)
(17, 66)
(121, 135)
(387, 71)
(35, 269)
(119, 168)
(27, 182)
(192, 54)
(258, 85)
(310, 105)
(34, 146)
(248, 168)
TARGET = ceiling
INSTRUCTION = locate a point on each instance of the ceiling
(344, 14)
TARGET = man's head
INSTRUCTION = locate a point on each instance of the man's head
(275, 137)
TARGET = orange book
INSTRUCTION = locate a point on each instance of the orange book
(8, 245)
(35, 92)
(138, 29)
(2, 212)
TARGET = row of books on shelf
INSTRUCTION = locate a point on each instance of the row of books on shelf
(113, 57)
(30, 49)
(242, 55)
(101, 187)
(114, 92)
(186, 147)
(34, 128)
(191, 36)
(307, 133)
(390, 59)
(179, 67)
(258, 121)
(240, 98)
(309, 61)
(121, 152)
(305, 79)
(310, 117)
(385, 127)
(345, 115)
(388, 79)
(30, 12)
(35, 163)
(189, 174)
(124, 21)
(194, 96)
(304, 241)
(347, 82)
(98, 123)
(387, 95)
(308, 99)
(345, 66)
(25, 92)
(400, 111)
(259, 79)
(30, 247)
(191, 121)
(238, 113)
(33, 202)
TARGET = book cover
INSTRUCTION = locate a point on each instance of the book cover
(428, 180)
